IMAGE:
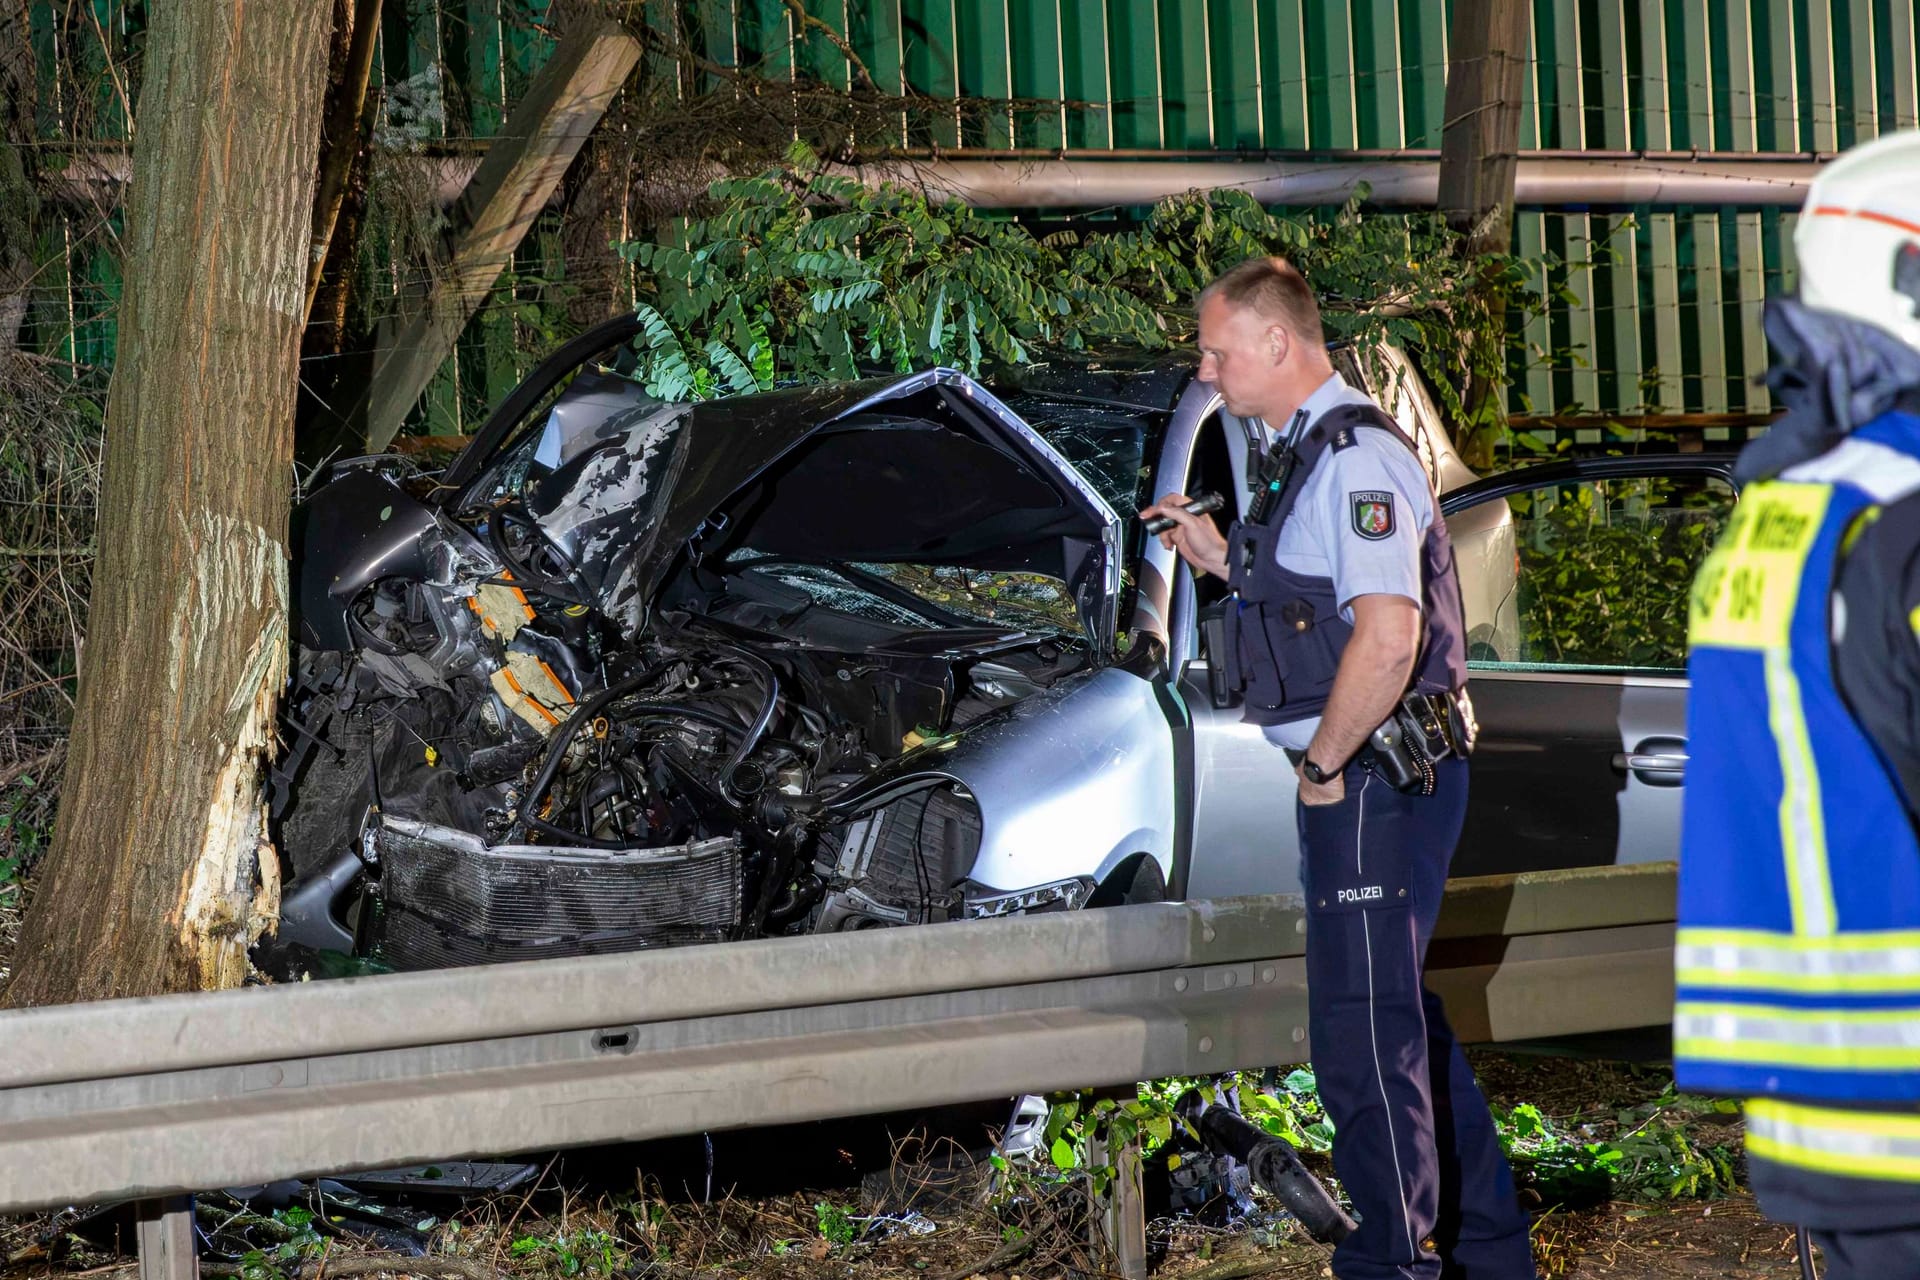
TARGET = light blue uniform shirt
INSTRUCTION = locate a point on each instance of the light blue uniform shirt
(1335, 530)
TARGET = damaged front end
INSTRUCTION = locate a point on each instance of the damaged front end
(645, 675)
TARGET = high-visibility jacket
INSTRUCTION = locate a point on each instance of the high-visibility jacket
(1797, 961)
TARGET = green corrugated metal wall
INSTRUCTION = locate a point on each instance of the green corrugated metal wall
(1667, 318)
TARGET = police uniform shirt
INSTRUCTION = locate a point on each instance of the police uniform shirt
(1361, 520)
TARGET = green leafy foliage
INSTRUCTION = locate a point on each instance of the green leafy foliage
(1604, 568)
(1650, 1156)
(1292, 1112)
(1647, 1152)
(22, 833)
(591, 1251)
(801, 274)
(298, 1239)
(834, 1223)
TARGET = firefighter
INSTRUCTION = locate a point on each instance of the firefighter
(1798, 954)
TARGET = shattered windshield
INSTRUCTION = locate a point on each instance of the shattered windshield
(833, 590)
(1022, 601)
(918, 595)
(1106, 445)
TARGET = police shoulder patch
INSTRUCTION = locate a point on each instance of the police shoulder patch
(1343, 439)
(1372, 514)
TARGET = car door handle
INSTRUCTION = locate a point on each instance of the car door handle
(1659, 762)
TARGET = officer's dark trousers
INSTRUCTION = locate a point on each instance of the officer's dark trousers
(1866, 1229)
(1413, 1143)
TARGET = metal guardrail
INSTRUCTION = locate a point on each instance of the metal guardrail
(150, 1097)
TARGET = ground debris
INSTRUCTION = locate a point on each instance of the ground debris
(369, 1264)
(930, 1219)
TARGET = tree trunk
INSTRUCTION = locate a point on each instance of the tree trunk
(159, 876)
(1479, 156)
(590, 226)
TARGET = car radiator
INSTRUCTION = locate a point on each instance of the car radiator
(445, 904)
(914, 849)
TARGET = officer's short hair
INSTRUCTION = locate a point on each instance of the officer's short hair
(1275, 288)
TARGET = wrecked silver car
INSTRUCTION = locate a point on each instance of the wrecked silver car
(628, 674)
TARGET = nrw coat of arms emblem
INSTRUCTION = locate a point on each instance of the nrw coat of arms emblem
(1372, 515)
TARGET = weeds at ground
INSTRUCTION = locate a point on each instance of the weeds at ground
(1654, 1150)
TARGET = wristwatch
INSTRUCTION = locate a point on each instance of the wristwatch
(1314, 773)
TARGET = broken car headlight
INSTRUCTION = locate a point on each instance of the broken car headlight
(1061, 895)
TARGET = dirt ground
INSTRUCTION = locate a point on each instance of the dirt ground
(760, 1240)
(1726, 1240)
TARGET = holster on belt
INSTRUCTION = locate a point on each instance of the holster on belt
(1423, 729)
(1220, 644)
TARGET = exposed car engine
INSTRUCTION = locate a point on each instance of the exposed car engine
(524, 781)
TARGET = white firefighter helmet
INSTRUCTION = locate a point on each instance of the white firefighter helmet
(1858, 239)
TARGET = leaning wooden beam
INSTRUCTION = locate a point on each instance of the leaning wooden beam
(513, 183)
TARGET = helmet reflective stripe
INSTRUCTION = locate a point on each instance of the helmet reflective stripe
(1831, 211)
(1861, 214)
(1879, 1038)
(1859, 1144)
(1755, 960)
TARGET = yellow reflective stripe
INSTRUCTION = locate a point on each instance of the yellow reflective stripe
(1842, 1164)
(1895, 1126)
(1774, 1035)
(1803, 832)
(1744, 598)
(1913, 620)
(1760, 960)
(1860, 523)
(1857, 1144)
(1799, 983)
(1819, 1018)
(1863, 941)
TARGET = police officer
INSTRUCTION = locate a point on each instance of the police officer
(1344, 631)
(1798, 954)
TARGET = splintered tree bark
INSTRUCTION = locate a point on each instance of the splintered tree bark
(159, 876)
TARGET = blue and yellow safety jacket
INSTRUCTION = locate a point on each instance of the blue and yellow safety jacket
(1797, 960)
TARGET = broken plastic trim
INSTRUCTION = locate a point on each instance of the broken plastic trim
(1070, 894)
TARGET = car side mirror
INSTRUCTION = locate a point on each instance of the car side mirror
(1221, 688)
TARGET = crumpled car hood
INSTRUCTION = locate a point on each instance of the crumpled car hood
(926, 469)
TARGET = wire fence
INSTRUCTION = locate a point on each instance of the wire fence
(1666, 320)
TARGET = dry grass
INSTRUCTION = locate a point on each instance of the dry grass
(13, 907)
(557, 1231)
(49, 480)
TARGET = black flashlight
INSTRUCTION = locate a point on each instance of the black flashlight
(1204, 504)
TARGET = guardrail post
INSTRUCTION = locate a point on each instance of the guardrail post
(166, 1239)
(1123, 1219)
